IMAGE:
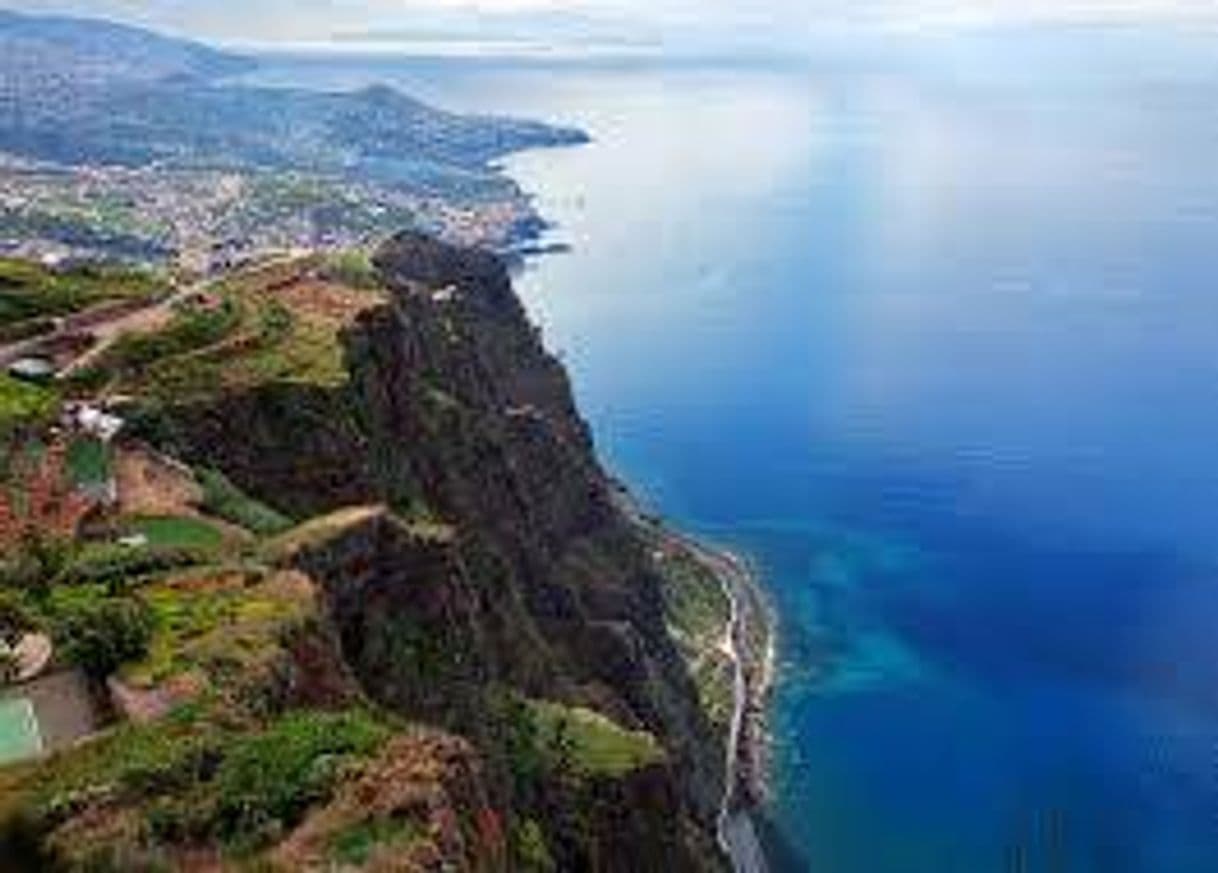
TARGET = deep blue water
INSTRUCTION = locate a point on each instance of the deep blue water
(935, 340)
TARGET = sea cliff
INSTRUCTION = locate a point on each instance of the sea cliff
(454, 651)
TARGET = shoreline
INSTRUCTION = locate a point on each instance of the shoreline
(750, 642)
(746, 747)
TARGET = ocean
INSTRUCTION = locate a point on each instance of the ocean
(931, 334)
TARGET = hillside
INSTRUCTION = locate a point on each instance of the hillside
(362, 598)
(82, 91)
(93, 52)
(117, 143)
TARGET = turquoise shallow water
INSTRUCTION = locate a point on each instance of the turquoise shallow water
(933, 340)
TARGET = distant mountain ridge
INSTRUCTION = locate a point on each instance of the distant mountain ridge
(93, 52)
(79, 91)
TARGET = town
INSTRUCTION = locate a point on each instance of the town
(205, 221)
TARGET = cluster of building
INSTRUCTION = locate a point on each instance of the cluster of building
(208, 221)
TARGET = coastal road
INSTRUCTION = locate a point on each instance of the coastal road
(737, 835)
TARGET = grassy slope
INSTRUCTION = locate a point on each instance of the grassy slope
(29, 291)
(698, 611)
(593, 744)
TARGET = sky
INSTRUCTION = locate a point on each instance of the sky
(784, 21)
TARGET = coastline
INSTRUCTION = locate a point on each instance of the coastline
(749, 641)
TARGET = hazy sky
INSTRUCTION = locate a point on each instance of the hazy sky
(786, 20)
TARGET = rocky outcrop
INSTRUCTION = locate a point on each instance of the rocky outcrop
(471, 420)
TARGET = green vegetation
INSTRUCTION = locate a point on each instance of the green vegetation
(698, 610)
(225, 500)
(37, 562)
(355, 845)
(195, 775)
(353, 269)
(218, 625)
(15, 616)
(529, 848)
(113, 565)
(251, 339)
(176, 532)
(31, 291)
(89, 462)
(190, 330)
(23, 404)
(270, 779)
(590, 743)
(133, 760)
(99, 635)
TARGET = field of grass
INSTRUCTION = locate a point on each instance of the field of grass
(176, 532)
(591, 743)
(353, 269)
(254, 339)
(89, 462)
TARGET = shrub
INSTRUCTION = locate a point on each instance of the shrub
(355, 846)
(114, 565)
(529, 847)
(39, 560)
(353, 269)
(269, 780)
(100, 636)
(23, 405)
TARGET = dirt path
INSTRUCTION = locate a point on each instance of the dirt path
(146, 320)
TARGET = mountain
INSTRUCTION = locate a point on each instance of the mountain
(92, 52)
(79, 92)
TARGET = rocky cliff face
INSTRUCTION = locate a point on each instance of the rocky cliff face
(472, 420)
(455, 659)
(500, 564)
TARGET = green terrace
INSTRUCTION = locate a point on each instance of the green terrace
(31, 295)
(195, 775)
(244, 332)
(589, 744)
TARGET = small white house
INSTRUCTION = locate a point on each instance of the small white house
(93, 421)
